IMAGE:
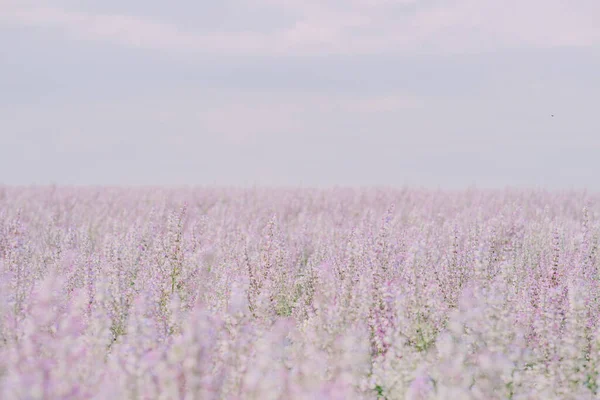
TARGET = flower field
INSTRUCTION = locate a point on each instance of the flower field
(224, 293)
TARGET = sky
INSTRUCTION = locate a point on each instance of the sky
(427, 93)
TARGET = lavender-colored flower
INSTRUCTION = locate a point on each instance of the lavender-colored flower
(298, 294)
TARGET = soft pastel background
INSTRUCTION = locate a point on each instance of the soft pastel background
(300, 92)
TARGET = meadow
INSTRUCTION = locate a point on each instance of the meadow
(230, 293)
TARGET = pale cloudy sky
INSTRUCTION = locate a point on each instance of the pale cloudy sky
(301, 92)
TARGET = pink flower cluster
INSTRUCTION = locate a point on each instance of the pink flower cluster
(214, 293)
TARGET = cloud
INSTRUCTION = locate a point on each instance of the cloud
(346, 27)
(131, 31)
(226, 117)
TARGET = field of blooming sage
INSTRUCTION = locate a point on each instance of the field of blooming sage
(225, 293)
